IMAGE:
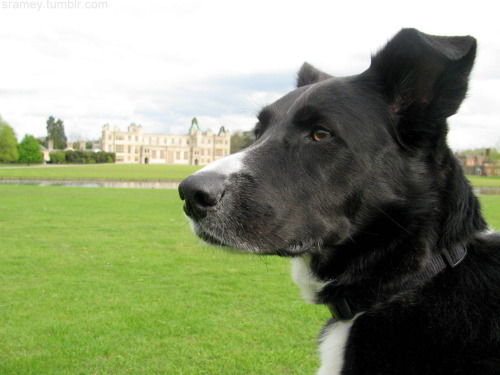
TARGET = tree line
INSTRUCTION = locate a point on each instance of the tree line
(488, 154)
(27, 151)
(241, 140)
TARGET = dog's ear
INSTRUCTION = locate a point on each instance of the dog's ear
(424, 77)
(308, 74)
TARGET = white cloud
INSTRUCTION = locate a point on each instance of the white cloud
(161, 63)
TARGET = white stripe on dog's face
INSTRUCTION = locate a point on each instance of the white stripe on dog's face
(226, 166)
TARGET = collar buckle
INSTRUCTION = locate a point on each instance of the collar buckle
(341, 310)
(454, 257)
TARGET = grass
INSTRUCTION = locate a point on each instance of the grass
(484, 181)
(111, 281)
(491, 210)
(103, 171)
(138, 172)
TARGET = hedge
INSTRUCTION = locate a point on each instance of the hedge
(81, 157)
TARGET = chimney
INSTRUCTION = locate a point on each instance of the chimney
(50, 144)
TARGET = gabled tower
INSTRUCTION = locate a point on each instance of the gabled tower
(194, 126)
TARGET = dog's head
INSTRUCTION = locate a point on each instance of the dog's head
(338, 157)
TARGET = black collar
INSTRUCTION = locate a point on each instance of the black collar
(346, 308)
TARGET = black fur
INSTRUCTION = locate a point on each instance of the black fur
(371, 204)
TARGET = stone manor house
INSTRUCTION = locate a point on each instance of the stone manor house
(194, 148)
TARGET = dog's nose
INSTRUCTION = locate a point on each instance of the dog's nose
(201, 192)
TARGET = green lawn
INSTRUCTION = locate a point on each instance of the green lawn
(111, 281)
(137, 172)
(484, 181)
(103, 171)
(491, 210)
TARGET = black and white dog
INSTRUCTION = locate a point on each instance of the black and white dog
(352, 178)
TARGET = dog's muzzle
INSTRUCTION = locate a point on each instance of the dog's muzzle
(202, 192)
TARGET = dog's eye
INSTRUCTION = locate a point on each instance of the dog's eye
(319, 135)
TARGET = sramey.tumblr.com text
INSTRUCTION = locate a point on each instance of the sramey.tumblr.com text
(52, 4)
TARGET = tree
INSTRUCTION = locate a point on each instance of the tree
(241, 140)
(8, 143)
(55, 131)
(489, 154)
(29, 150)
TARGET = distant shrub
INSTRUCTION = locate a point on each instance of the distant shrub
(58, 157)
(29, 150)
(81, 157)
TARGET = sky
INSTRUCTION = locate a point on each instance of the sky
(160, 63)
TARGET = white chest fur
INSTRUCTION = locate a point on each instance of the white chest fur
(332, 347)
(308, 284)
(334, 338)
